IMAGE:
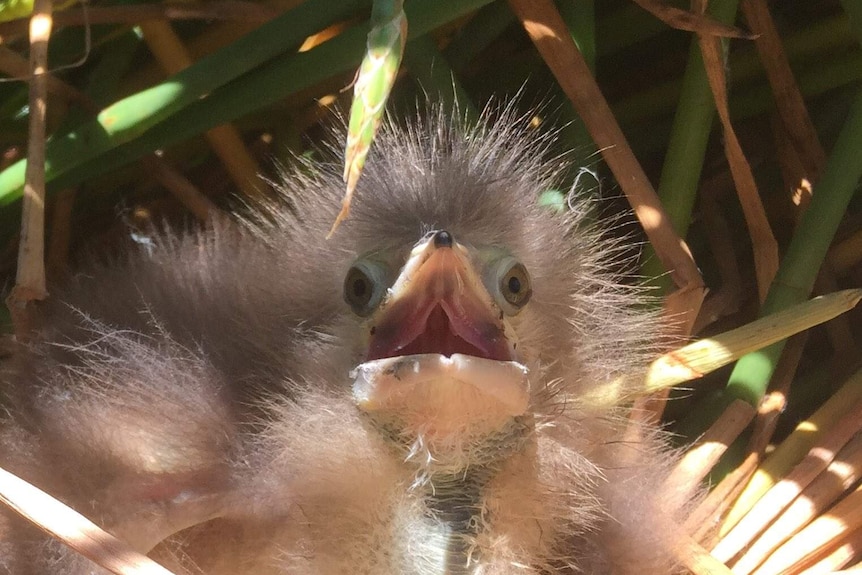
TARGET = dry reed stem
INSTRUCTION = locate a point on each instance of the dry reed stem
(840, 476)
(848, 551)
(216, 10)
(703, 356)
(30, 280)
(821, 537)
(74, 529)
(773, 404)
(690, 21)
(704, 521)
(548, 32)
(794, 447)
(697, 560)
(763, 242)
(701, 457)
(776, 500)
(788, 98)
(225, 140)
(770, 409)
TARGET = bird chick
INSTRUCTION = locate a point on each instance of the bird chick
(436, 390)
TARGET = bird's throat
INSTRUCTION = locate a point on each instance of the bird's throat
(452, 520)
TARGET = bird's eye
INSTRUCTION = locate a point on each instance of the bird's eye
(364, 287)
(513, 284)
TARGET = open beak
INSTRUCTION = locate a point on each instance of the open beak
(441, 361)
(439, 305)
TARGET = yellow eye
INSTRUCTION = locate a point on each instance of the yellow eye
(363, 288)
(515, 285)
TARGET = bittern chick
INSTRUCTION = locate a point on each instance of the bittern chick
(440, 388)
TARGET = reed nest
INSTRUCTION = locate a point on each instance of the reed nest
(739, 123)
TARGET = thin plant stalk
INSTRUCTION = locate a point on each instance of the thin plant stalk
(30, 280)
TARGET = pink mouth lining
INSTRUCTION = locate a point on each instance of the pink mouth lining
(438, 328)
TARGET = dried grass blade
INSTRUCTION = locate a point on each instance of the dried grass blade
(793, 170)
(844, 554)
(822, 536)
(697, 560)
(840, 476)
(74, 529)
(788, 98)
(763, 242)
(690, 21)
(704, 520)
(700, 458)
(706, 355)
(792, 449)
(546, 28)
(776, 500)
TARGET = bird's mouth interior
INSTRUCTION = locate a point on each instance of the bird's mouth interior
(440, 330)
(438, 336)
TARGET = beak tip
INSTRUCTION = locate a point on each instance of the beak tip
(443, 239)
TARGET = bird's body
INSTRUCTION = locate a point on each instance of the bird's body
(425, 393)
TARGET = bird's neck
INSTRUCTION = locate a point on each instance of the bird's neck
(452, 519)
(446, 512)
(454, 506)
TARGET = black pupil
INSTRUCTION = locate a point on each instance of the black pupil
(360, 288)
(514, 285)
